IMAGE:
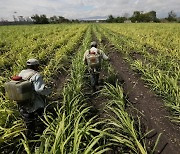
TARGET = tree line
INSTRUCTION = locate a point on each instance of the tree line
(140, 16)
(42, 19)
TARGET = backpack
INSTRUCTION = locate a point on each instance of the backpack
(93, 59)
(18, 89)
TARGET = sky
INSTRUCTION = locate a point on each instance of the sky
(77, 9)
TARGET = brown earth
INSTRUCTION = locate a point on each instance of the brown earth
(153, 112)
(59, 85)
(151, 107)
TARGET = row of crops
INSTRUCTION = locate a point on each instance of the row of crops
(49, 44)
(153, 51)
(73, 131)
(70, 127)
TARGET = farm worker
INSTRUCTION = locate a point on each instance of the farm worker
(93, 58)
(31, 109)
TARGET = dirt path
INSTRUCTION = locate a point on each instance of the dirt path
(60, 79)
(153, 112)
(152, 107)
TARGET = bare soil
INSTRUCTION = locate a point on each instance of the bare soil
(153, 112)
(59, 85)
(151, 109)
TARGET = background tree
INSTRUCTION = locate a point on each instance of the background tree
(139, 16)
(136, 17)
(62, 19)
(110, 19)
(120, 19)
(42, 19)
(171, 16)
(53, 19)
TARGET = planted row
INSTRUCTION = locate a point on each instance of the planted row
(159, 66)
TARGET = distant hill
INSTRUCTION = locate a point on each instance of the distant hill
(94, 18)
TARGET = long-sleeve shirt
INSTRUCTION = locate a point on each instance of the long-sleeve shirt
(39, 88)
(102, 54)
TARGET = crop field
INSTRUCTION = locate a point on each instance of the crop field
(136, 108)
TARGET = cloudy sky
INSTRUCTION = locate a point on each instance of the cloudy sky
(75, 9)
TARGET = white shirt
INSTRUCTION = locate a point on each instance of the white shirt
(102, 54)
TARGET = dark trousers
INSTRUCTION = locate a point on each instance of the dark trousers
(32, 121)
(94, 78)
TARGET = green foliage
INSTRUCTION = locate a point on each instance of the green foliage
(123, 130)
(138, 16)
(40, 19)
(144, 17)
(69, 129)
(157, 57)
(172, 16)
(59, 19)
(28, 44)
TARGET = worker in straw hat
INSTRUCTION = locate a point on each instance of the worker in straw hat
(33, 108)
